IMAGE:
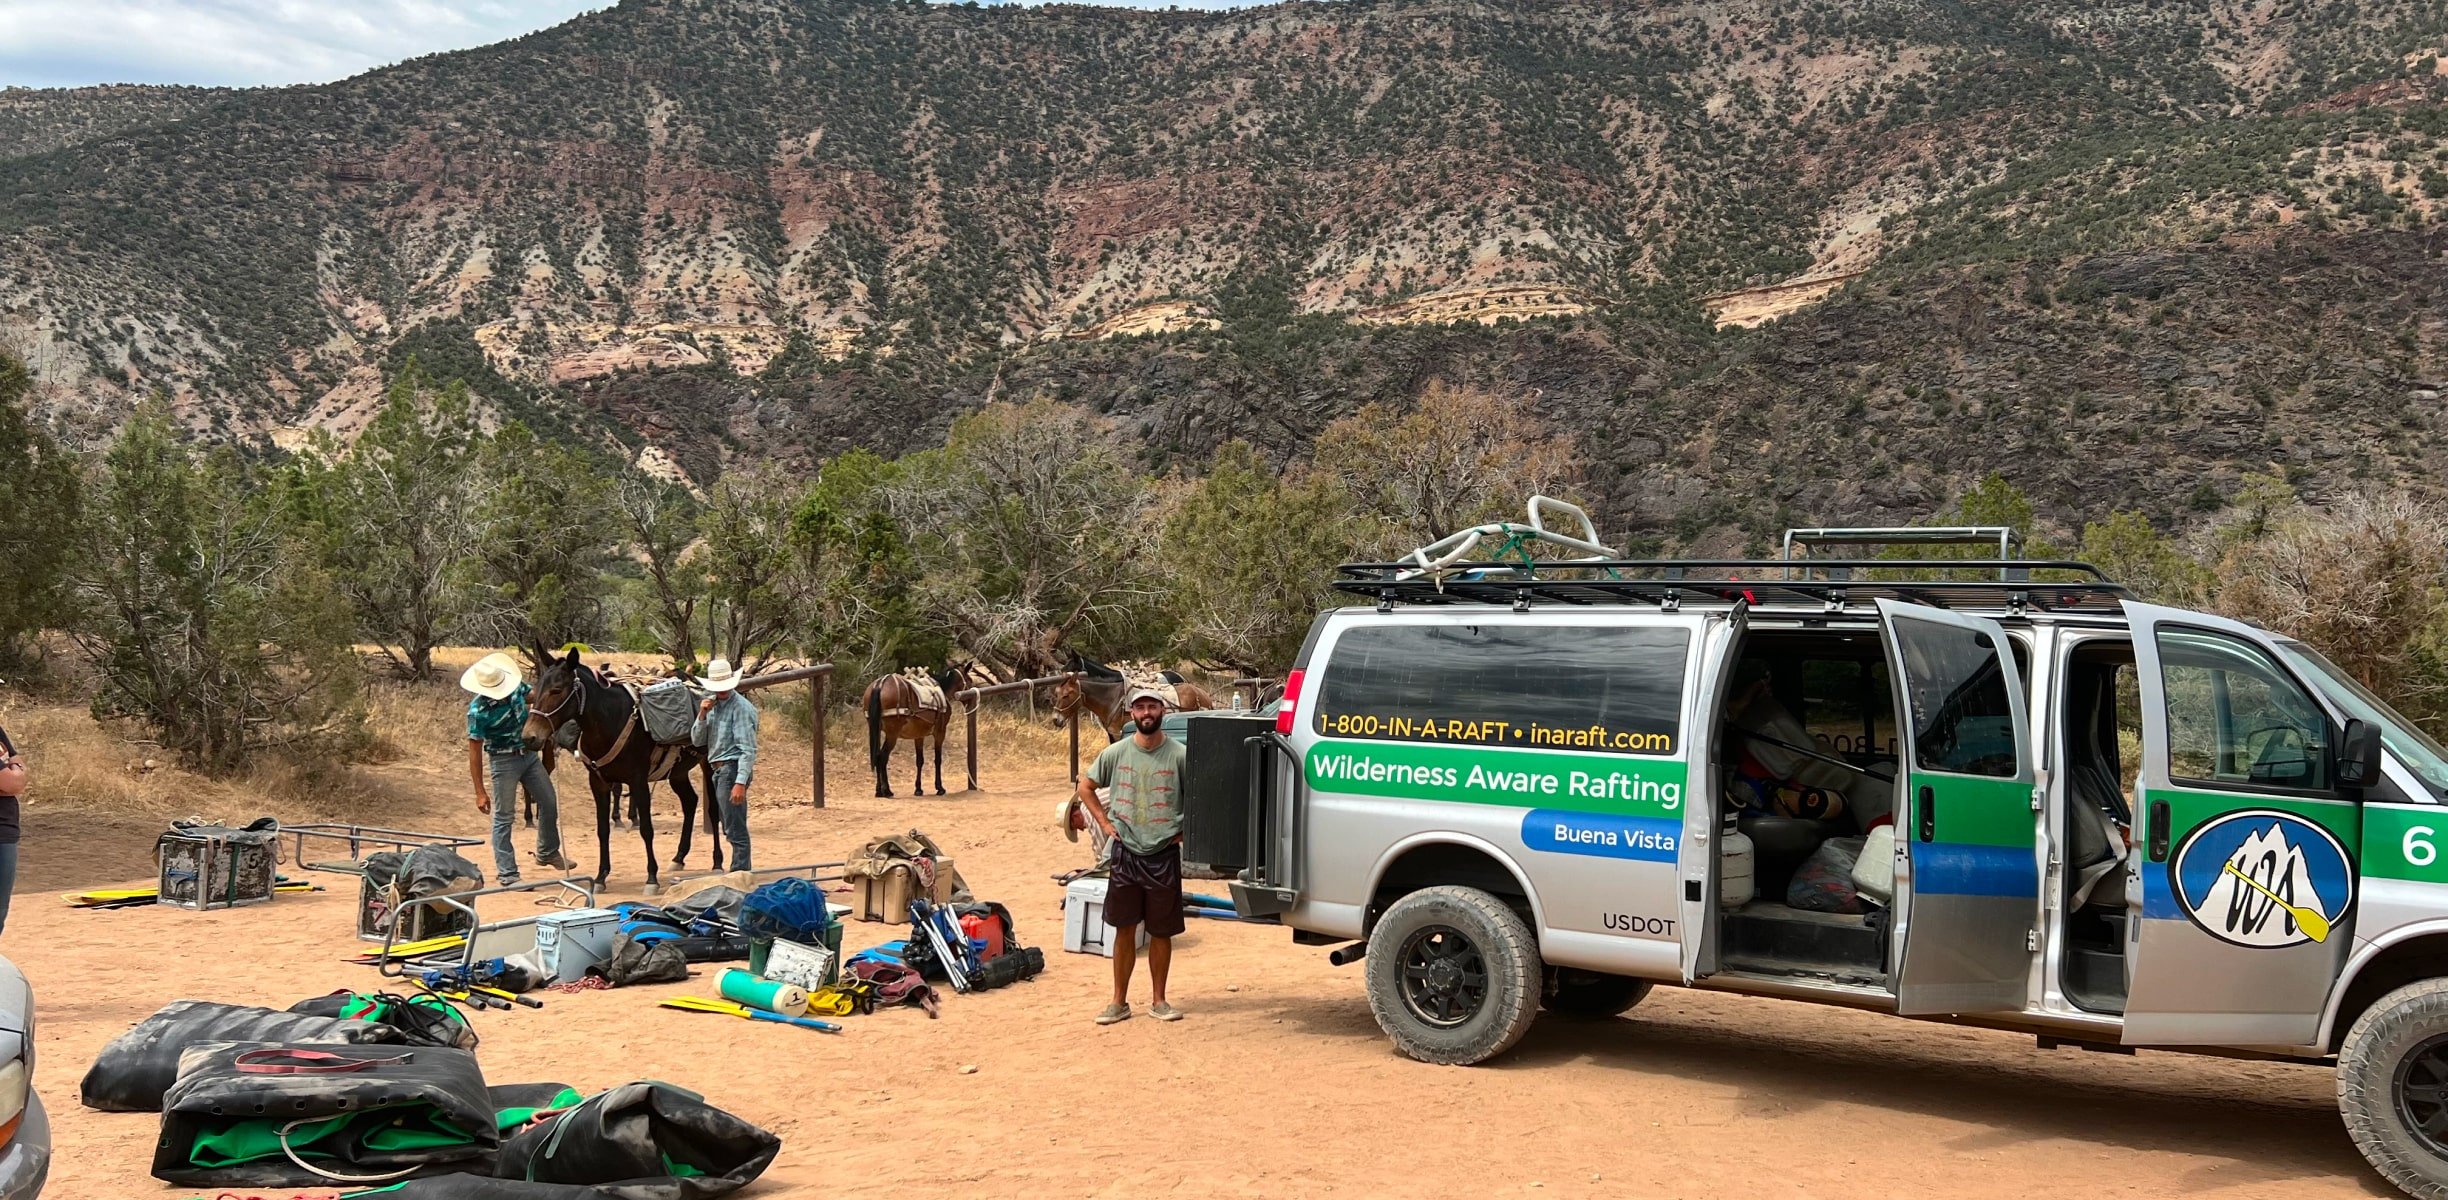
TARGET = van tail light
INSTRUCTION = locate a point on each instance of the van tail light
(1291, 700)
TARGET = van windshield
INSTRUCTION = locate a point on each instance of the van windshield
(2411, 745)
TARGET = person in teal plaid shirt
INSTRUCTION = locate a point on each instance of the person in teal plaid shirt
(496, 728)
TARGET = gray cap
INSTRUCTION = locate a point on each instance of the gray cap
(1149, 693)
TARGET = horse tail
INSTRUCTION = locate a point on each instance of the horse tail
(875, 723)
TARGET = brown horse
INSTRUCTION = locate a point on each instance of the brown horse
(1102, 692)
(893, 714)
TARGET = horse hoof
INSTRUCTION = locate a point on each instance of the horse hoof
(939, 791)
(653, 888)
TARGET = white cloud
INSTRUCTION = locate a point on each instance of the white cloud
(62, 43)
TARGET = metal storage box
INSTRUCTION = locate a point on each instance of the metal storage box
(205, 866)
(1216, 788)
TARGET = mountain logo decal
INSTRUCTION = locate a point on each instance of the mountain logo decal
(2263, 879)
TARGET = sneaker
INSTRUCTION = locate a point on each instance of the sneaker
(1114, 1014)
(558, 862)
(506, 881)
(1164, 1012)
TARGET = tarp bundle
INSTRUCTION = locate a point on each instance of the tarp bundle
(669, 709)
(638, 1141)
(790, 909)
(252, 1113)
(132, 1072)
(424, 871)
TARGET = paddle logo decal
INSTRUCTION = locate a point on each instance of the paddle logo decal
(2263, 879)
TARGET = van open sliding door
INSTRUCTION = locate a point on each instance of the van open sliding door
(1699, 858)
(1967, 863)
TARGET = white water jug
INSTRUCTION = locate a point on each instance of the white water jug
(1736, 882)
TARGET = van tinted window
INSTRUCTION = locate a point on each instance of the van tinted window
(1608, 690)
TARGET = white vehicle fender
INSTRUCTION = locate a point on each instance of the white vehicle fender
(2365, 953)
(1377, 874)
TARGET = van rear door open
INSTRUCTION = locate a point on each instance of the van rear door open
(1967, 865)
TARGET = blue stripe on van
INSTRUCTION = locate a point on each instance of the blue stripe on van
(1560, 831)
(1964, 869)
(2158, 897)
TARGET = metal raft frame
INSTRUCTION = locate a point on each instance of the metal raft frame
(1443, 573)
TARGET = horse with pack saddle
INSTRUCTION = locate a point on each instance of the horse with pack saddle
(1100, 692)
(914, 705)
(630, 736)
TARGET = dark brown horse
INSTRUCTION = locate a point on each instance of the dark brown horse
(613, 743)
(894, 714)
(1103, 689)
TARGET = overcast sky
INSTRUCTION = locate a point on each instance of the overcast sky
(65, 43)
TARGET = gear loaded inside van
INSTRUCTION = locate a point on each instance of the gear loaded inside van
(1807, 752)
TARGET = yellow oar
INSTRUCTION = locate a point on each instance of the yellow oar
(729, 1009)
(2314, 925)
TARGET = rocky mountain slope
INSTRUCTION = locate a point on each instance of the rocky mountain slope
(40, 120)
(727, 227)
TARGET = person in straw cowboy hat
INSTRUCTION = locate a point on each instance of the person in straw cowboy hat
(496, 719)
(727, 729)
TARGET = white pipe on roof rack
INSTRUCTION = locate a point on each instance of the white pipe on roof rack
(1444, 552)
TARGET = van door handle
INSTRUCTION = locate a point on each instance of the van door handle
(1928, 816)
(2158, 830)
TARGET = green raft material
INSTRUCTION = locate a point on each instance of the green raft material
(410, 1127)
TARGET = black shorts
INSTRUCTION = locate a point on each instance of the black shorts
(1145, 889)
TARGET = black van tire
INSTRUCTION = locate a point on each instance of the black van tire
(2397, 1025)
(1591, 995)
(1495, 937)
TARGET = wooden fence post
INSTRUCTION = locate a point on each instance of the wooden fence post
(816, 705)
(971, 747)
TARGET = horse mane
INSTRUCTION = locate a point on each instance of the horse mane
(1096, 670)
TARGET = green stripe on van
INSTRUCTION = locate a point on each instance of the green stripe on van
(1598, 783)
(2405, 841)
(2189, 809)
(1978, 810)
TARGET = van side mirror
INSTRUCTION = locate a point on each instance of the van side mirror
(2359, 754)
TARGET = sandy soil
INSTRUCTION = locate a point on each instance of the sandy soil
(1278, 1084)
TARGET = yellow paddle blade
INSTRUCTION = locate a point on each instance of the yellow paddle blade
(703, 1004)
(2314, 925)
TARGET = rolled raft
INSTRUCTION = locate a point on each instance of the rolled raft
(742, 987)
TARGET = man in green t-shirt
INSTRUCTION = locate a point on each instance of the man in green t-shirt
(1141, 812)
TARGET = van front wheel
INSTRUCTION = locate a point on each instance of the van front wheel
(2393, 1087)
(1453, 975)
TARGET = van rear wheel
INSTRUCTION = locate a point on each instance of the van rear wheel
(1574, 993)
(1453, 975)
(2392, 1078)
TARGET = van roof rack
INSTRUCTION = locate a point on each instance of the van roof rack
(1442, 572)
(2007, 539)
(1827, 585)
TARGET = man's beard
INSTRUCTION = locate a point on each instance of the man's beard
(1149, 724)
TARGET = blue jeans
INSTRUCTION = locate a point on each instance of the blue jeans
(734, 816)
(511, 772)
(8, 879)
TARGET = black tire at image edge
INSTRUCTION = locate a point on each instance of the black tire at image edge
(2394, 1026)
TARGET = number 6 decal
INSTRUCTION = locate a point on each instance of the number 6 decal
(2417, 847)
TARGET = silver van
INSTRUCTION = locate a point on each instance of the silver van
(1996, 792)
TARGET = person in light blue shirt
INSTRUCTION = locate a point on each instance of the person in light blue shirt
(727, 730)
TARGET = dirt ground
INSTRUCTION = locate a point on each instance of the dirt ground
(1277, 1084)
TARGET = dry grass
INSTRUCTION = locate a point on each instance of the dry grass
(105, 769)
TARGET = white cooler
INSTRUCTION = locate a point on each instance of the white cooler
(1084, 927)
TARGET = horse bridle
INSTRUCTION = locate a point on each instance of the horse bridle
(577, 692)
